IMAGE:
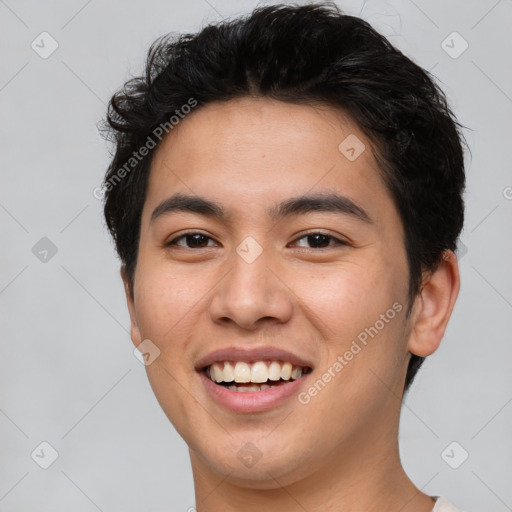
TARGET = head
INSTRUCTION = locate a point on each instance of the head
(249, 114)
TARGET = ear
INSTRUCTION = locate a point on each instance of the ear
(134, 326)
(433, 306)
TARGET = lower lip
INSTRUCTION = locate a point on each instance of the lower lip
(251, 401)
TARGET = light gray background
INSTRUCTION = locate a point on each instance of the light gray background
(68, 375)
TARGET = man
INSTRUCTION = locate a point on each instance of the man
(286, 197)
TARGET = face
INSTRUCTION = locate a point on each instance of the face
(260, 282)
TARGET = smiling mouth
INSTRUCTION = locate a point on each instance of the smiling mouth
(250, 377)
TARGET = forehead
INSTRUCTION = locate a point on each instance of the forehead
(250, 153)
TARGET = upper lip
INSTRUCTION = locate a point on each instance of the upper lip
(251, 356)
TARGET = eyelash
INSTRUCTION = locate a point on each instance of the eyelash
(312, 233)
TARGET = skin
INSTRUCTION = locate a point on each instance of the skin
(340, 450)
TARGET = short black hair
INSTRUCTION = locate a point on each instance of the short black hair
(304, 54)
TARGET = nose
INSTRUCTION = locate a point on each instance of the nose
(252, 294)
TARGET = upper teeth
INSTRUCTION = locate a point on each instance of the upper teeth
(257, 372)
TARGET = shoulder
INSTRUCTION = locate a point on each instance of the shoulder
(443, 505)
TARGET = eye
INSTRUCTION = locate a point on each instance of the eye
(195, 239)
(321, 240)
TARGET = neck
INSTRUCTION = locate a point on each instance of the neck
(366, 476)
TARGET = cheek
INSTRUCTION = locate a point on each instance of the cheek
(165, 307)
(360, 312)
(164, 298)
(349, 297)
(361, 379)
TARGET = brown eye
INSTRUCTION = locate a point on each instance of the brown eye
(320, 240)
(192, 241)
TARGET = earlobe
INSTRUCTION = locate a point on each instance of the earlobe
(433, 306)
(134, 326)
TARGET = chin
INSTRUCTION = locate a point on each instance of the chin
(267, 467)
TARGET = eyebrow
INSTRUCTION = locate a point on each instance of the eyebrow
(300, 205)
